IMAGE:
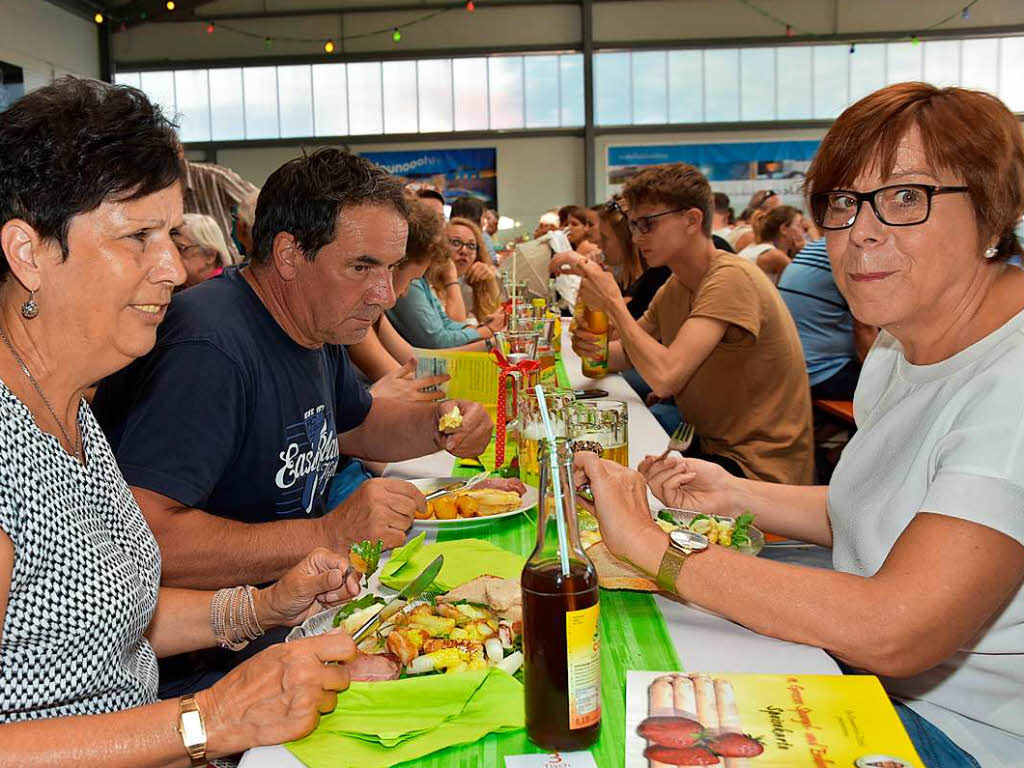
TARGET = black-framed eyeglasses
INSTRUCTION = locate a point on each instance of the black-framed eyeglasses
(897, 205)
(643, 224)
(458, 245)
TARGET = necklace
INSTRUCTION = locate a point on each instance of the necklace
(76, 444)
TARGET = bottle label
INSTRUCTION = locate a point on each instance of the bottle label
(583, 651)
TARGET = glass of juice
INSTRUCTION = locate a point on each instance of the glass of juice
(531, 429)
(605, 422)
(561, 627)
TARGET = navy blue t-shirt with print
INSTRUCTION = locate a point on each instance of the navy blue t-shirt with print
(227, 413)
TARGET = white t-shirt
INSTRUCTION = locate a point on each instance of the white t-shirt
(751, 252)
(946, 438)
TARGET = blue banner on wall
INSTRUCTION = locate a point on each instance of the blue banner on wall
(456, 172)
(725, 161)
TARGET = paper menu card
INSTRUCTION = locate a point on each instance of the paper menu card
(474, 375)
(800, 720)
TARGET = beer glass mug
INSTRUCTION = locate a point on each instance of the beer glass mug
(531, 428)
(605, 422)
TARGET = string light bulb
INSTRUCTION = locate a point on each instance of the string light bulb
(966, 13)
(396, 36)
(853, 47)
(789, 31)
(329, 46)
(170, 5)
(98, 18)
(210, 28)
(267, 43)
(915, 40)
(470, 6)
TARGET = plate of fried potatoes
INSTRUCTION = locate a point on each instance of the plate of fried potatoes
(475, 505)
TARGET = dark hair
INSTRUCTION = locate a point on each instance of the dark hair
(68, 147)
(575, 212)
(766, 225)
(721, 202)
(968, 133)
(425, 243)
(674, 184)
(468, 208)
(305, 196)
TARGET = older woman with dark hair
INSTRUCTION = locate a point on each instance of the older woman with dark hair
(918, 190)
(90, 204)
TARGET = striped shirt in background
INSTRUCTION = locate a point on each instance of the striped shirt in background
(822, 316)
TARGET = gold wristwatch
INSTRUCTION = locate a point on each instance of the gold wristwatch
(681, 544)
(192, 730)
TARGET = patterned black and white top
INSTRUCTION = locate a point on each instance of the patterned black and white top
(85, 579)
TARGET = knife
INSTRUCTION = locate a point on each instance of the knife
(411, 591)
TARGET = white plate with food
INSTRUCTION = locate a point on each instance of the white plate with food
(491, 499)
(474, 626)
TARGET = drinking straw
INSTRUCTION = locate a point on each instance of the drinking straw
(563, 542)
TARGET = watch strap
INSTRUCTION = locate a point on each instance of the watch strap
(671, 563)
(192, 728)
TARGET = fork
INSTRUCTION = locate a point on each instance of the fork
(444, 491)
(680, 439)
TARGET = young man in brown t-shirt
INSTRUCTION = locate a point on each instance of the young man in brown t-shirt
(716, 337)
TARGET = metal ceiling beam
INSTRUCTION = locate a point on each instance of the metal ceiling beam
(350, 11)
(338, 58)
(83, 8)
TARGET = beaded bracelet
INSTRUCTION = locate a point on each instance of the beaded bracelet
(233, 619)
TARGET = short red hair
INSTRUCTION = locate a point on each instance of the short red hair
(968, 133)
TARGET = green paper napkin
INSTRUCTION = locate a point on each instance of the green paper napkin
(464, 560)
(381, 724)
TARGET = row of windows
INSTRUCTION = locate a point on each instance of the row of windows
(714, 85)
(797, 82)
(365, 98)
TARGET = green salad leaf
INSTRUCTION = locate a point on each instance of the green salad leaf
(356, 605)
(667, 517)
(741, 534)
(365, 557)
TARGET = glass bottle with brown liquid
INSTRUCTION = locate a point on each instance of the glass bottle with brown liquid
(561, 639)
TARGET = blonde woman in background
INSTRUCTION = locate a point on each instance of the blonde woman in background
(467, 283)
(204, 252)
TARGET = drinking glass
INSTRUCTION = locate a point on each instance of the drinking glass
(531, 428)
(605, 422)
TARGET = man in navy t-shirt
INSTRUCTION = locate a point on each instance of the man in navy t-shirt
(230, 430)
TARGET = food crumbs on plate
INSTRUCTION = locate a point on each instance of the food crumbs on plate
(450, 421)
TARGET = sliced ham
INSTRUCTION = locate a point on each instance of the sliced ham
(371, 667)
(503, 484)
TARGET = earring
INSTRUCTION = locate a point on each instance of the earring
(30, 309)
(991, 252)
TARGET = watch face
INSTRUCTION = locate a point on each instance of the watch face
(686, 539)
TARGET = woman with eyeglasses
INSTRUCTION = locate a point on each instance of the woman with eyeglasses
(467, 285)
(429, 322)
(204, 252)
(918, 190)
